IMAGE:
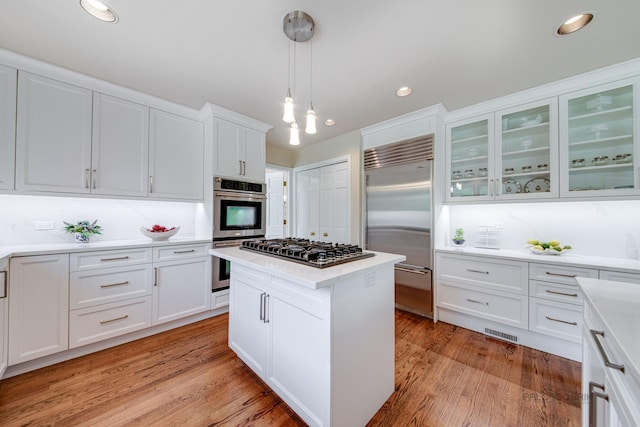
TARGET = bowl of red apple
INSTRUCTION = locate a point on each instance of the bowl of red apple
(159, 232)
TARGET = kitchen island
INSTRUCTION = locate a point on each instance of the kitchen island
(322, 339)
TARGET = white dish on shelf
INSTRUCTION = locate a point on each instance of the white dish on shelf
(537, 185)
(526, 123)
(526, 143)
(511, 186)
(547, 251)
(599, 102)
(598, 130)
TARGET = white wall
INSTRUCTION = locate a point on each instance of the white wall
(120, 219)
(598, 228)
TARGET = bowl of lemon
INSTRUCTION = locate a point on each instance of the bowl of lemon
(552, 247)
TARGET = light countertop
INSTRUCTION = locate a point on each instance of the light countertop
(308, 276)
(44, 249)
(597, 262)
(617, 304)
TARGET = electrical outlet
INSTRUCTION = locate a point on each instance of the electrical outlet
(498, 225)
(43, 225)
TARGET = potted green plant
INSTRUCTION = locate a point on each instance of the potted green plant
(83, 230)
(458, 237)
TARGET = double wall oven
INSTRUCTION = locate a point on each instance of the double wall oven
(239, 214)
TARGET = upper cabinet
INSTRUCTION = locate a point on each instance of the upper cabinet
(176, 157)
(507, 155)
(120, 148)
(240, 152)
(53, 142)
(599, 154)
(8, 82)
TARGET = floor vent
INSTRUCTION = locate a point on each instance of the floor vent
(500, 335)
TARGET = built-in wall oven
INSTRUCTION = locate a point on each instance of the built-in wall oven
(239, 213)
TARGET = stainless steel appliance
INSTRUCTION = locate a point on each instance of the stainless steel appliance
(304, 251)
(239, 208)
(398, 216)
(239, 213)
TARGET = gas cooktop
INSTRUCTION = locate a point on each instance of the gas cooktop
(307, 252)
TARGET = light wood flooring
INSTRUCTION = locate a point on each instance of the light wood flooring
(445, 376)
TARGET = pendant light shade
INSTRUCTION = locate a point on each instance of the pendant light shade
(288, 116)
(294, 134)
(311, 121)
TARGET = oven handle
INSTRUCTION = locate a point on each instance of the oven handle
(240, 196)
(226, 244)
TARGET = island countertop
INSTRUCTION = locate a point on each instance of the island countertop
(304, 275)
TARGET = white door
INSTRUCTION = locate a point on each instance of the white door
(334, 204)
(120, 148)
(308, 204)
(275, 205)
(53, 138)
(8, 82)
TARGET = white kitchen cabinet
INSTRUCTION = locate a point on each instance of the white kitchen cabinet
(240, 152)
(4, 317)
(620, 276)
(176, 157)
(38, 306)
(53, 137)
(182, 285)
(8, 83)
(511, 154)
(599, 128)
(322, 203)
(120, 147)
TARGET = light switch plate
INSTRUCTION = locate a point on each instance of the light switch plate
(43, 225)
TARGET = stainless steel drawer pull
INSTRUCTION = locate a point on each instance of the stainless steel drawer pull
(477, 302)
(184, 252)
(607, 362)
(266, 308)
(572, 276)
(115, 284)
(262, 295)
(593, 406)
(477, 271)
(86, 178)
(409, 270)
(114, 259)
(102, 322)
(93, 179)
(561, 293)
(562, 321)
(4, 284)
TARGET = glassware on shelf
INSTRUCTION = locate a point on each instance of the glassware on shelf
(472, 152)
(526, 143)
(469, 173)
(600, 160)
(577, 163)
(526, 169)
(456, 174)
(543, 167)
(508, 171)
(622, 158)
(482, 172)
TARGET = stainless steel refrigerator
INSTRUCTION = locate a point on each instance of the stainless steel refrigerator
(398, 217)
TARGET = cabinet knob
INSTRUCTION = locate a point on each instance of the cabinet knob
(313, 233)
(325, 234)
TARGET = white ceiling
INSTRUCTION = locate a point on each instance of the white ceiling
(234, 53)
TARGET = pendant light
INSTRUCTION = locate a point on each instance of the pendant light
(311, 115)
(298, 26)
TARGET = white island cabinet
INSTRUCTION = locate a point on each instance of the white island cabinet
(322, 339)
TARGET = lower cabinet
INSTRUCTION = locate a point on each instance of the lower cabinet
(4, 318)
(38, 306)
(182, 281)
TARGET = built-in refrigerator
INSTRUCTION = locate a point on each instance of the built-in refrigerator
(398, 216)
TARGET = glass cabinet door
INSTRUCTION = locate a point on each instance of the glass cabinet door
(470, 159)
(526, 151)
(598, 130)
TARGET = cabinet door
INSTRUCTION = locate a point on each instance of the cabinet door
(469, 153)
(334, 188)
(247, 326)
(181, 288)
(120, 149)
(254, 155)
(176, 157)
(526, 164)
(53, 143)
(600, 155)
(228, 149)
(8, 81)
(38, 306)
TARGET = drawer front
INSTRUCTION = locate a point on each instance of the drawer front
(510, 309)
(556, 319)
(559, 273)
(501, 275)
(168, 253)
(92, 324)
(619, 276)
(220, 299)
(556, 292)
(94, 287)
(116, 258)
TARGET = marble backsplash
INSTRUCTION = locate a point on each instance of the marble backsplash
(120, 219)
(594, 228)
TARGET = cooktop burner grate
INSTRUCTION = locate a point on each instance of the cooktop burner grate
(307, 252)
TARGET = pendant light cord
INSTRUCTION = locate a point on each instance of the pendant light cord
(311, 73)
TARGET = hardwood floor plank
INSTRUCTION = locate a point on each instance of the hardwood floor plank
(445, 376)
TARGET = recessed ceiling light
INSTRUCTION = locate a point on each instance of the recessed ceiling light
(329, 122)
(404, 91)
(574, 24)
(99, 10)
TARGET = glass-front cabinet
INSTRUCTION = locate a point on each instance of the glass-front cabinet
(599, 154)
(511, 154)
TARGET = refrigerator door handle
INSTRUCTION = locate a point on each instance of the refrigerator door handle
(411, 268)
